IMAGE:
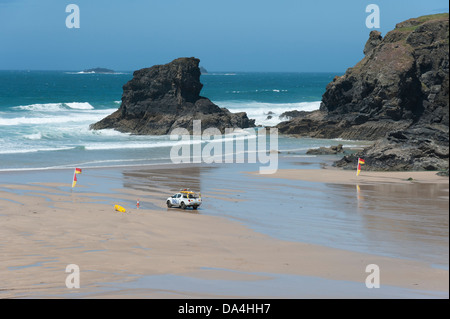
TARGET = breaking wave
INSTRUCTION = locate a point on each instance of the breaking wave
(54, 107)
(267, 113)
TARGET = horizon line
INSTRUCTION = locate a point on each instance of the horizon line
(209, 72)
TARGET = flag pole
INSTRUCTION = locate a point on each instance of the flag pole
(74, 176)
(358, 168)
(74, 181)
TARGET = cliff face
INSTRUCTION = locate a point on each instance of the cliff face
(164, 97)
(397, 94)
(403, 77)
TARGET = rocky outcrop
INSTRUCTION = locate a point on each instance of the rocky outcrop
(332, 150)
(289, 115)
(417, 148)
(375, 39)
(164, 97)
(396, 95)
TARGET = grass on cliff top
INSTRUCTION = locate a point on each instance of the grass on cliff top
(423, 19)
(429, 17)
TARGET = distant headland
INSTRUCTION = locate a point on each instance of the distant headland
(99, 70)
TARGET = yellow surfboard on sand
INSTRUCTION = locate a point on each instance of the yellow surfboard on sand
(119, 209)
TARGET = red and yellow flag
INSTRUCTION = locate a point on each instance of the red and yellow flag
(360, 161)
(77, 171)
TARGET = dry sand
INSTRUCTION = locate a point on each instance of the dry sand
(44, 229)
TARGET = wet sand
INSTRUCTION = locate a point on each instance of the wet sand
(155, 252)
(348, 177)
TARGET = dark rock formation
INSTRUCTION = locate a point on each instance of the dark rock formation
(270, 115)
(443, 173)
(417, 148)
(333, 150)
(375, 39)
(396, 95)
(164, 97)
(203, 70)
(288, 115)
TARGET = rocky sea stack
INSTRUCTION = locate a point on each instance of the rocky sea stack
(164, 97)
(397, 95)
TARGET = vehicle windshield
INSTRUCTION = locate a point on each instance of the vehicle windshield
(192, 196)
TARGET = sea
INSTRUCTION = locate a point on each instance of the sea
(45, 116)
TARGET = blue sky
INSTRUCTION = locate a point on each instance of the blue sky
(231, 35)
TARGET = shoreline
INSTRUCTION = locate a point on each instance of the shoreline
(46, 227)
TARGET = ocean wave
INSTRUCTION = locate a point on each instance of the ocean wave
(108, 133)
(35, 150)
(223, 74)
(264, 106)
(154, 143)
(33, 137)
(85, 117)
(258, 91)
(266, 113)
(54, 107)
(79, 105)
(135, 145)
(93, 72)
(42, 120)
(71, 166)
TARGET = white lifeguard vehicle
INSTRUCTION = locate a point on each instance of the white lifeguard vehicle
(185, 198)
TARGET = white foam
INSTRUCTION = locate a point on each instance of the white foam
(93, 72)
(135, 145)
(35, 150)
(35, 136)
(55, 107)
(80, 116)
(80, 106)
(44, 120)
(153, 143)
(260, 110)
(108, 132)
(48, 107)
(256, 91)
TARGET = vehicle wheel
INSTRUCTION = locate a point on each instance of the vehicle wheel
(183, 205)
(169, 205)
(194, 207)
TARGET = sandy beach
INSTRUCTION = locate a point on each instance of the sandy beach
(155, 252)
